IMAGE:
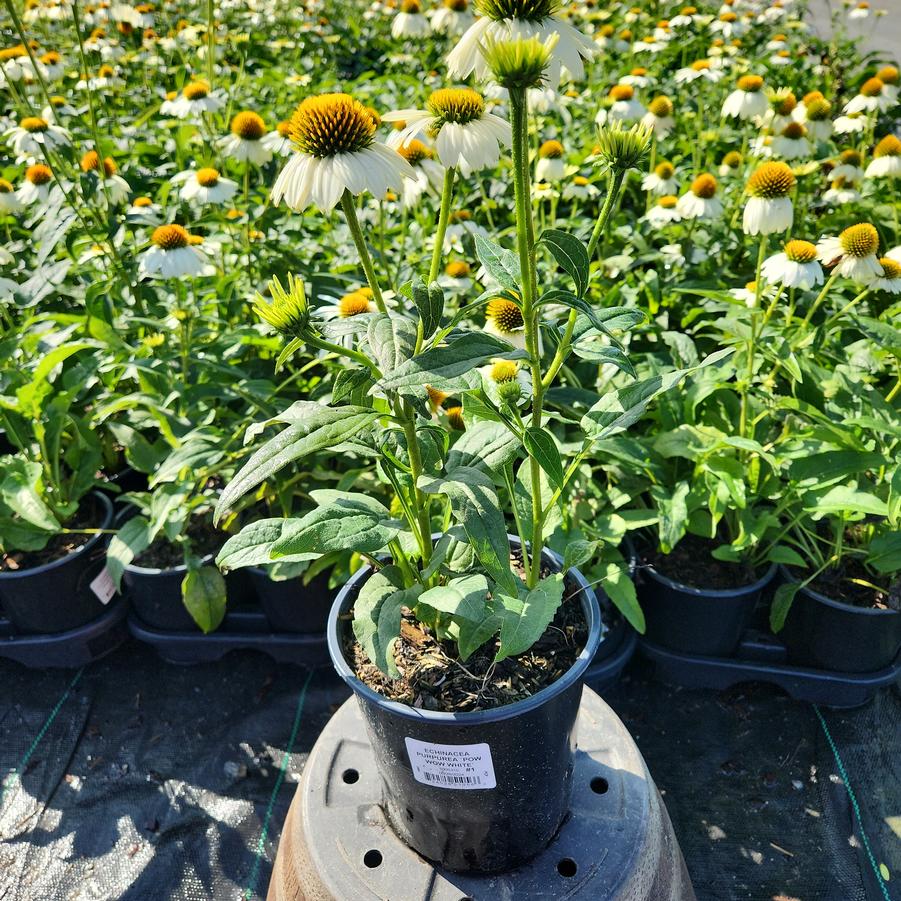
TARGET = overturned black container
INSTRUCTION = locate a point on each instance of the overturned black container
(289, 605)
(57, 596)
(696, 620)
(482, 791)
(829, 634)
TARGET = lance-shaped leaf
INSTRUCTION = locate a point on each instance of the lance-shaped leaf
(252, 546)
(501, 264)
(429, 302)
(349, 523)
(524, 619)
(570, 254)
(782, 602)
(484, 445)
(541, 445)
(392, 340)
(466, 597)
(377, 613)
(449, 367)
(134, 537)
(312, 427)
(473, 633)
(203, 594)
(474, 504)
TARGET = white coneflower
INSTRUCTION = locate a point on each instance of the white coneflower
(624, 106)
(37, 185)
(504, 318)
(9, 203)
(638, 78)
(848, 125)
(650, 44)
(662, 180)
(606, 39)
(174, 254)
(795, 267)
(815, 115)
(409, 22)
(245, 143)
(33, 135)
(700, 201)
(792, 142)
(466, 136)
(506, 382)
(860, 11)
(143, 211)
(870, 99)
(769, 208)
(279, 139)
(748, 100)
(730, 164)
(842, 191)
(52, 65)
(457, 277)
(452, 17)
(886, 159)
(853, 253)
(728, 25)
(664, 212)
(685, 18)
(699, 69)
(659, 117)
(891, 82)
(113, 185)
(336, 151)
(890, 280)
(58, 108)
(751, 294)
(551, 165)
(849, 166)
(355, 303)
(205, 186)
(426, 172)
(781, 58)
(507, 20)
(580, 188)
(196, 98)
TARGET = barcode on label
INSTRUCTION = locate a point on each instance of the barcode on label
(457, 767)
(443, 779)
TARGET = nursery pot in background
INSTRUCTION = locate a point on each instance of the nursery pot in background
(289, 605)
(517, 760)
(57, 596)
(828, 634)
(696, 620)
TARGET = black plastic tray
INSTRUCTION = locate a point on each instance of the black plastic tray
(73, 648)
(240, 630)
(761, 658)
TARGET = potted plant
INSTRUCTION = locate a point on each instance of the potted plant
(53, 525)
(463, 646)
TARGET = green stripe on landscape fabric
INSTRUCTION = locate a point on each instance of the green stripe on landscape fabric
(250, 891)
(12, 777)
(856, 807)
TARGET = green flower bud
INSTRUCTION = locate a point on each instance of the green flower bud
(288, 311)
(519, 64)
(623, 149)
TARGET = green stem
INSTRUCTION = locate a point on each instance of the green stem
(353, 223)
(416, 469)
(615, 182)
(752, 342)
(443, 216)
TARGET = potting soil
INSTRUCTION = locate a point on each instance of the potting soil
(137, 779)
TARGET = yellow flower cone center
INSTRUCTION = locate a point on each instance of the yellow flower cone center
(668, 202)
(751, 287)
(170, 237)
(664, 170)
(455, 418)
(353, 304)
(460, 105)
(851, 158)
(704, 186)
(888, 146)
(458, 269)
(661, 107)
(90, 162)
(142, 202)
(505, 315)
(330, 124)
(750, 84)
(5, 186)
(890, 268)
(811, 96)
(728, 17)
(207, 177)
(732, 159)
(284, 128)
(410, 7)
(639, 71)
(436, 397)
(701, 65)
(33, 124)
(458, 6)
(550, 150)
(889, 75)
(861, 240)
(581, 181)
(248, 126)
(621, 92)
(504, 371)
(818, 110)
(771, 180)
(196, 90)
(872, 87)
(794, 131)
(415, 152)
(689, 10)
(800, 251)
(39, 174)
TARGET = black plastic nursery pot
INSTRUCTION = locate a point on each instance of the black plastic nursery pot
(828, 634)
(480, 791)
(696, 620)
(289, 605)
(59, 596)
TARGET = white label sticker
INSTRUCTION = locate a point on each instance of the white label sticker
(451, 766)
(103, 586)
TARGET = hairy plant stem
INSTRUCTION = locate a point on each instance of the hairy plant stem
(525, 242)
(353, 223)
(447, 193)
(752, 341)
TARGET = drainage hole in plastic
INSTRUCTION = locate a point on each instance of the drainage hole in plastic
(567, 868)
(599, 785)
(350, 776)
(372, 859)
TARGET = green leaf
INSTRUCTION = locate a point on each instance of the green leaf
(429, 304)
(894, 497)
(672, 512)
(578, 552)
(352, 385)
(346, 524)
(782, 602)
(541, 445)
(884, 553)
(781, 553)
(195, 454)
(312, 428)
(820, 469)
(377, 614)
(472, 633)
(501, 264)
(845, 500)
(134, 537)
(450, 367)
(204, 597)
(475, 505)
(252, 546)
(466, 597)
(392, 340)
(524, 619)
(487, 446)
(619, 587)
(570, 254)
(20, 491)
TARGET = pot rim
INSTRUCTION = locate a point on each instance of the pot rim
(815, 595)
(107, 506)
(590, 608)
(156, 571)
(740, 591)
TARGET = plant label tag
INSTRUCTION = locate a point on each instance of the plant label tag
(451, 766)
(103, 586)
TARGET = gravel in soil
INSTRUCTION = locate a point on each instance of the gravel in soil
(690, 563)
(432, 678)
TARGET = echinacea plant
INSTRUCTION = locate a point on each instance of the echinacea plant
(507, 466)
